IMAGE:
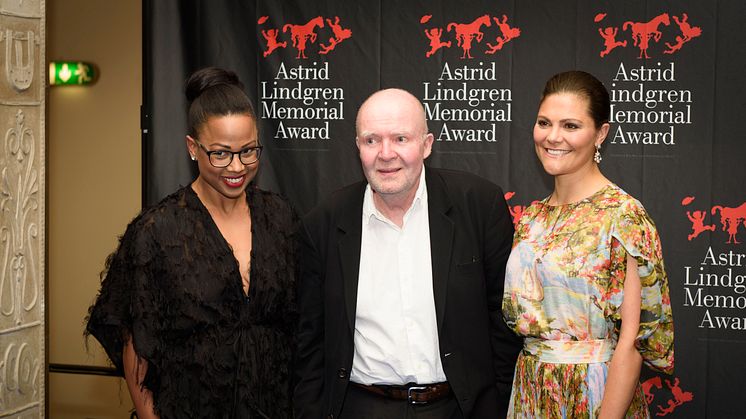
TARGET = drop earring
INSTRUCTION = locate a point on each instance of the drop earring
(597, 155)
(195, 158)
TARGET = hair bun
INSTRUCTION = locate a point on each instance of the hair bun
(207, 78)
(212, 92)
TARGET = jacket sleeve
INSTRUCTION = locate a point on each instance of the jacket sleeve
(125, 299)
(506, 344)
(309, 390)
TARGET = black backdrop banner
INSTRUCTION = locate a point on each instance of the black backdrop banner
(673, 68)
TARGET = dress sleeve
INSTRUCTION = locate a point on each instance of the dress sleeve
(636, 235)
(121, 307)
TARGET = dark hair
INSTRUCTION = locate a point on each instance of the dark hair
(584, 85)
(214, 91)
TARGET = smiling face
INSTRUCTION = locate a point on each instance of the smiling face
(565, 135)
(393, 142)
(232, 132)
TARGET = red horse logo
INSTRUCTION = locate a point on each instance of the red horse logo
(302, 33)
(679, 396)
(647, 385)
(643, 31)
(466, 32)
(730, 219)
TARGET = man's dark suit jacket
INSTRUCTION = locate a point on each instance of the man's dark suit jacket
(470, 239)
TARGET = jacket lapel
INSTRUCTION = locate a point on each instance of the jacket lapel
(349, 230)
(349, 233)
(441, 238)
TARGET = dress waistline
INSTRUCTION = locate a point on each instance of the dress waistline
(570, 351)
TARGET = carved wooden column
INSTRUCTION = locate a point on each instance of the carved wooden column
(22, 208)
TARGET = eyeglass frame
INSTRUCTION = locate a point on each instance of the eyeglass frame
(233, 154)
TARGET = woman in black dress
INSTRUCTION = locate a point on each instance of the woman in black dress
(196, 307)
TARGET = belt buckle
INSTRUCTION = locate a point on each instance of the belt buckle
(410, 400)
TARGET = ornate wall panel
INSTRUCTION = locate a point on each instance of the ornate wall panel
(22, 209)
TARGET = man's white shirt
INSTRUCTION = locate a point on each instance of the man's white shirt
(396, 332)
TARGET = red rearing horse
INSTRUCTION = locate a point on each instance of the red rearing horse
(299, 34)
(642, 31)
(465, 32)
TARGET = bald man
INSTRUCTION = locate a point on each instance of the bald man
(401, 284)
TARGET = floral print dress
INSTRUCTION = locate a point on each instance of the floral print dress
(564, 286)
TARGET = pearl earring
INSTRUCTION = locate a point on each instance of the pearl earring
(195, 158)
(597, 155)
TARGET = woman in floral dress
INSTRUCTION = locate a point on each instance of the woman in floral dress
(585, 282)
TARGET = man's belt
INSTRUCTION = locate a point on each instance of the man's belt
(412, 393)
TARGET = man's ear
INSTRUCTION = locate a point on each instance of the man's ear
(429, 139)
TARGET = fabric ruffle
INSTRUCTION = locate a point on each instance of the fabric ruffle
(636, 235)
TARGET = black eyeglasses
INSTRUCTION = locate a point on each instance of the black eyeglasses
(223, 158)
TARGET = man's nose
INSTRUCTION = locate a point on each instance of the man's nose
(387, 151)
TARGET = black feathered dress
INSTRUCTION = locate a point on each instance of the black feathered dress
(174, 286)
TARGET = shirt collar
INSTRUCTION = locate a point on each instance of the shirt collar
(370, 210)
